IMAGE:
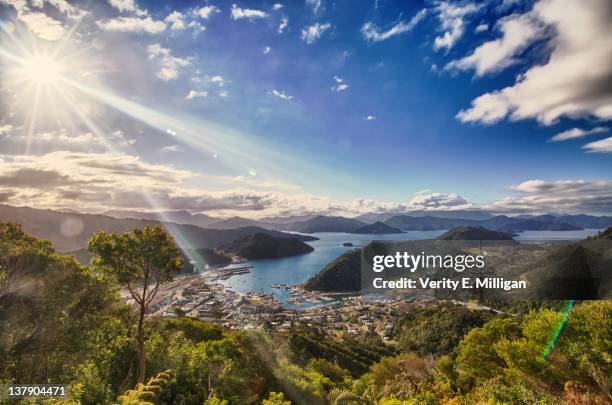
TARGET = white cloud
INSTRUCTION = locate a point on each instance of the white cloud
(65, 7)
(217, 79)
(206, 12)
(340, 85)
(127, 6)
(426, 200)
(223, 93)
(196, 94)
(6, 129)
(282, 25)
(170, 65)
(481, 27)
(119, 137)
(43, 26)
(518, 31)
(371, 32)
(313, 32)
(315, 5)
(98, 181)
(196, 27)
(171, 148)
(603, 146)
(370, 118)
(176, 20)
(451, 16)
(577, 133)
(65, 138)
(281, 94)
(564, 196)
(248, 13)
(574, 81)
(266, 50)
(277, 6)
(133, 24)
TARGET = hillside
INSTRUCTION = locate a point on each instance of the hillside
(571, 272)
(603, 235)
(238, 222)
(263, 246)
(499, 222)
(325, 224)
(536, 225)
(474, 233)
(427, 223)
(342, 274)
(377, 228)
(70, 232)
(178, 216)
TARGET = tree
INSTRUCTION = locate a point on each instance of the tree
(140, 260)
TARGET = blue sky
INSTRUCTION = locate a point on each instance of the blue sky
(259, 108)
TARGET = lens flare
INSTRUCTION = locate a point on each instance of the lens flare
(558, 331)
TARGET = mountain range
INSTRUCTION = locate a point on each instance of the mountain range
(70, 232)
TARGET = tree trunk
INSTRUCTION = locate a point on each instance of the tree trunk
(141, 352)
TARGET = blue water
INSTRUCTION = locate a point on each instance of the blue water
(557, 235)
(298, 269)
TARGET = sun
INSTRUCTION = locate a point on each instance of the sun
(40, 70)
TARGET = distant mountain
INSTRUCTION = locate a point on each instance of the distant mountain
(287, 220)
(476, 215)
(377, 228)
(70, 232)
(499, 222)
(237, 222)
(536, 225)
(179, 217)
(428, 223)
(264, 246)
(342, 274)
(325, 224)
(584, 221)
(372, 217)
(474, 233)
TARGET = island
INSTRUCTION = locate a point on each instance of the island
(377, 228)
(474, 233)
(343, 274)
(348, 244)
(264, 246)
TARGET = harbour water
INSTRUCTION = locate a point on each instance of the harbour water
(298, 269)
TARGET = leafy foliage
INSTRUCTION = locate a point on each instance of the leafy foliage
(61, 322)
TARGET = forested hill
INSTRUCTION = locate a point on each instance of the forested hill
(264, 246)
(474, 233)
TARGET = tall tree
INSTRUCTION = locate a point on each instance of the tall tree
(140, 260)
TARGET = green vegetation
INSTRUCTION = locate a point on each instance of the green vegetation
(140, 261)
(474, 233)
(264, 246)
(61, 322)
(342, 274)
(377, 228)
(436, 329)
